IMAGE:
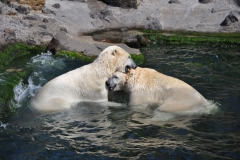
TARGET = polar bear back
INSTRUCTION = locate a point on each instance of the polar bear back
(149, 86)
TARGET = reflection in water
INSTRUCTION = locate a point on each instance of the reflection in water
(97, 131)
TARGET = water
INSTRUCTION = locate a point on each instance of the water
(93, 131)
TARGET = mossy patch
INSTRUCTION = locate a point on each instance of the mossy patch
(6, 93)
(138, 58)
(76, 55)
(224, 40)
(10, 52)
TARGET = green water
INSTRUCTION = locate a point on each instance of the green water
(91, 131)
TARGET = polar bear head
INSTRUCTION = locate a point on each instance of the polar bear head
(116, 82)
(116, 59)
(126, 81)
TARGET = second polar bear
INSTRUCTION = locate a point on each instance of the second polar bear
(147, 86)
(86, 83)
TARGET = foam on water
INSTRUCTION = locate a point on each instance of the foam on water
(3, 125)
(42, 63)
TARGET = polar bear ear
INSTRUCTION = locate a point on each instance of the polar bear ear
(114, 52)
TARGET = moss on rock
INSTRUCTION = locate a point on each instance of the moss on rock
(7, 93)
(224, 40)
(10, 52)
(76, 55)
(138, 58)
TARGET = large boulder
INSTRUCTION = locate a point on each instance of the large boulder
(85, 44)
(234, 16)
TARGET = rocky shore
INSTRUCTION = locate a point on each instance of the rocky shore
(62, 24)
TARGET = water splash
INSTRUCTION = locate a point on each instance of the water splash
(22, 92)
(3, 125)
(44, 65)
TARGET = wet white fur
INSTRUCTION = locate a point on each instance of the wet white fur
(86, 83)
(168, 94)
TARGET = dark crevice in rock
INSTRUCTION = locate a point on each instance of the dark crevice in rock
(122, 3)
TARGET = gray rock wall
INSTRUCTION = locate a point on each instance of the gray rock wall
(20, 23)
(185, 15)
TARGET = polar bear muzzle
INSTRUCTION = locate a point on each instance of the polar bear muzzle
(130, 64)
(110, 86)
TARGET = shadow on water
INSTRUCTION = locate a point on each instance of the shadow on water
(94, 131)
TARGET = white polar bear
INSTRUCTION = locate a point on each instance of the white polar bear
(147, 86)
(86, 83)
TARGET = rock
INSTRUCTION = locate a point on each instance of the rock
(63, 29)
(97, 23)
(24, 9)
(26, 23)
(45, 20)
(8, 11)
(31, 42)
(85, 45)
(173, 1)
(31, 17)
(45, 34)
(43, 26)
(52, 20)
(106, 15)
(35, 4)
(56, 5)
(9, 31)
(123, 3)
(233, 17)
(20, 8)
(205, 1)
(10, 35)
(79, 0)
(94, 16)
(237, 2)
(1, 5)
(154, 24)
(123, 29)
(142, 40)
(46, 10)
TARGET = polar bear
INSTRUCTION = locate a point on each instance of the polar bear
(86, 83)
(147, 86)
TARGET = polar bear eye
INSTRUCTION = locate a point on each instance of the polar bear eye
(116, 77)
(114, 52)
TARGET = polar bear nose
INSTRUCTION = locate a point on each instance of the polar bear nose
(107, 83)
(135, 66)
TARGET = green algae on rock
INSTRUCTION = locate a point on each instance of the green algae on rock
(12, 51)
(7, 93)
(9, 54)
(138, 58)
(76, 55)
(224, 40)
